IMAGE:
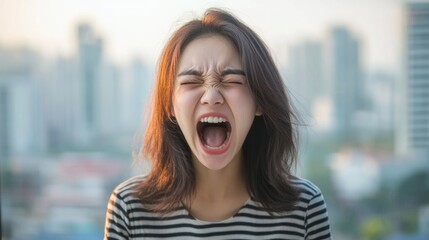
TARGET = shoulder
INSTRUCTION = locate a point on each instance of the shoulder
(306, 187)
(310, 196)
(312, 205)
(122, 203)
(126, 189)
(123, 199)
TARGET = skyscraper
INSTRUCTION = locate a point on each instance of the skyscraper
(306, 70)
(308, 81)
(4, 149)
(345, 72)
(138, 87)
(22, 115)
(64, 104)
(90, 57)
(415, 118)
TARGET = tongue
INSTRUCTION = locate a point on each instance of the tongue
(214, 136)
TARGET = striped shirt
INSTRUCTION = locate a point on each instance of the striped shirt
(127, 218)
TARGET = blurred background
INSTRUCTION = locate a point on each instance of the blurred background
(75, 77)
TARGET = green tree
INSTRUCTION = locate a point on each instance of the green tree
(375, 228)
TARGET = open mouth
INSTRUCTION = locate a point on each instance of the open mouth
(214, 132)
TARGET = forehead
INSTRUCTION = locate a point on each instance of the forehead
(210, 51)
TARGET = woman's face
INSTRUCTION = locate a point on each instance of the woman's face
(212, 101)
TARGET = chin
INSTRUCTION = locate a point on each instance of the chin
(215, 164)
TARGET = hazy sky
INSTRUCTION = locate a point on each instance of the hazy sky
(133, 28)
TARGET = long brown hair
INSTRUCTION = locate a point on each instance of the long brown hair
(270, 147)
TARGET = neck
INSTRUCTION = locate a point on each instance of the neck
(220, 184)
(219, 194)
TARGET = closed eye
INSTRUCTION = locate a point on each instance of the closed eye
(232, 82)
(191, 82)
(231, 76)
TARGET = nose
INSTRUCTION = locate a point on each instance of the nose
(212, 96)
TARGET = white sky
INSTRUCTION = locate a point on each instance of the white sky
(133, 28)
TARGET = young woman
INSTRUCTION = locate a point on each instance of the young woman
(221, 140)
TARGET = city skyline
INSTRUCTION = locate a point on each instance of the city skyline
(83, 112)
(139, 30)
(98, 89)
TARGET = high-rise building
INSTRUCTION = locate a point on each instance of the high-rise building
(107, 110)
(64, 101)
(413, 131)
(380, 93)
(306, 70)
(90, 58)
(4, 144)
(345, 71)
(22, 114)
(140, 88)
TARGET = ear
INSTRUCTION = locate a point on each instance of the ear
(258, 111)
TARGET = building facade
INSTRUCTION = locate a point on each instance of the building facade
(414, 131)
(345, 71)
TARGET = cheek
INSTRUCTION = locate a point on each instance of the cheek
(242, 101)
(184, 103)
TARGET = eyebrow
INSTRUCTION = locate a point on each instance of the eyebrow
(232, 71)
(192, 72)
(225, 72)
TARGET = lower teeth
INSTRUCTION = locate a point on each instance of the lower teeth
(215, 148)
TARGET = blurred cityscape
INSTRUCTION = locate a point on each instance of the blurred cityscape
(68, 127)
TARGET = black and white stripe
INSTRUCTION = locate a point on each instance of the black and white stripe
(128, 219)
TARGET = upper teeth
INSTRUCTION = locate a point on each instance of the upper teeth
(213, 119)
